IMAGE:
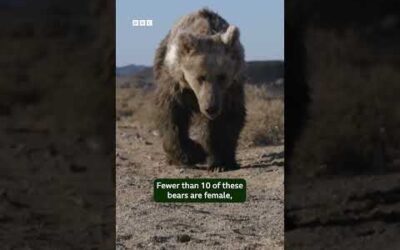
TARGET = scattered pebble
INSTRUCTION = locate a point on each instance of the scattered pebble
(160, 239)
(183, 238)
(120, 246)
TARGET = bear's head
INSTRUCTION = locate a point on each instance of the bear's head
(208, 65)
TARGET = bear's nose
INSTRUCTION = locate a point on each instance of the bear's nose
(212, 110)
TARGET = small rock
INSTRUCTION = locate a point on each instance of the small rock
(183, 238)
(121, 157)
(160, 239)
(120, 246)
(126, 237)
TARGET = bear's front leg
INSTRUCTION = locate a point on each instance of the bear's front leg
(221, 140)
(174, 128)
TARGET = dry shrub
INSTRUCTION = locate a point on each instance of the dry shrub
(265, 120)
(134, 104)
(354, 113)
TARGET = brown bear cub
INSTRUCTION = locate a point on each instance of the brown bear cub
(199, 70)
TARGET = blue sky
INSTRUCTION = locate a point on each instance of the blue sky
(261, 23)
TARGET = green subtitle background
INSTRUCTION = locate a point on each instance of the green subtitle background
(239, 195)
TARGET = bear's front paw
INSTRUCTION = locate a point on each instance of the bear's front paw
(221, 166)
(217, 168)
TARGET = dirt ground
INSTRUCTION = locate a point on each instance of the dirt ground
(145, 224)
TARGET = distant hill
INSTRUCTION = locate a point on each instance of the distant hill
(129, 70)
(141, 78)
(258, 72)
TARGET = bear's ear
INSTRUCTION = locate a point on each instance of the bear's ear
(231, 35)
(187, 43)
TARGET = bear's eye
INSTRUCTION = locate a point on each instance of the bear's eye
(221, 78)
(201, 79)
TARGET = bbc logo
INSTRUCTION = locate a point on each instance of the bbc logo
(142, 22)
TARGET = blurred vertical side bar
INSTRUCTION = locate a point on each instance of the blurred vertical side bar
(342, 114)
(57, 124)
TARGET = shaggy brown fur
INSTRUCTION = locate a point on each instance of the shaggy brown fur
(202, 76)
